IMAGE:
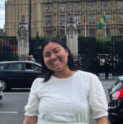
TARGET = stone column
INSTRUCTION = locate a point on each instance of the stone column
(23, 39)
(72, 36)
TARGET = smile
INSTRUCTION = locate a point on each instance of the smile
(56, 62)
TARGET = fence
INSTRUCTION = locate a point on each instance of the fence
(8, 49)
(87, 50)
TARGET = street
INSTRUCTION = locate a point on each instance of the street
(12, 106)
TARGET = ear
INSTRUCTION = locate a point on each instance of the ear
(66, 51)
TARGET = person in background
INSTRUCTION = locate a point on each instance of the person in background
(31, 58)
(97, 65)
(28, 67)
(78, 63)
(65, 94)
(107, 65)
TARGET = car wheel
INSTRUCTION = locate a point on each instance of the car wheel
(4, 84)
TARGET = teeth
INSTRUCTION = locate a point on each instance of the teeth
(55, 62)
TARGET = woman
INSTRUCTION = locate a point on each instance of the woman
(65, 94)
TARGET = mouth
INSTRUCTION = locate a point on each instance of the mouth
(56, 62)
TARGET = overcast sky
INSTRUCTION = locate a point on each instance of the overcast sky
(2, 13)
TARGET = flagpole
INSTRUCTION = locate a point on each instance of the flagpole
(105, 25)
(85, 24)
(65, 23)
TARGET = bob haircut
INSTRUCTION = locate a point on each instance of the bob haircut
(47, 72)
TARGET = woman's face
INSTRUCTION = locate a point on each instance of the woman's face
(55, 57)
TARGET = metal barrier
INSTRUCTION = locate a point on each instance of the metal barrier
(8, 49)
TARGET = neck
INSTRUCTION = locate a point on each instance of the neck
(65, 73)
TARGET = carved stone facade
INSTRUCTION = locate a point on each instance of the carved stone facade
(72, 36)
(23, 39)
(48, 16)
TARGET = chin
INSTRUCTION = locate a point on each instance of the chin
(57, 70)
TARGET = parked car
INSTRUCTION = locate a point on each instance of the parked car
(115, 105)
(18, 74)
(1, 91)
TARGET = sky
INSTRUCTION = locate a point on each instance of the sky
(2, 13)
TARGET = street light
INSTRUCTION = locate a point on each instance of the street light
(29, 20)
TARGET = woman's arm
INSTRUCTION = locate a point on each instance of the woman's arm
(30, 120)
(101, 120)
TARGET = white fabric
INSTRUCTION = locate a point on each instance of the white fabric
(70, 100)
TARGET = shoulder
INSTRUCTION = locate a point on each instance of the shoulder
(87, 74)
(37, 82)
(87, 77)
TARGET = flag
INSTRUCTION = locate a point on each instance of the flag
(84, 20)
(101, 22)
(11, 46)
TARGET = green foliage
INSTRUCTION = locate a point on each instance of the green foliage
(103, 45)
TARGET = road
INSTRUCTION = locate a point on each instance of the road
(12, 106)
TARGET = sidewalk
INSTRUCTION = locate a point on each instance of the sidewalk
(113, 78)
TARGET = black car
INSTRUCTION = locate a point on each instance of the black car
(115, 106)
(1, 91)
(18, 74)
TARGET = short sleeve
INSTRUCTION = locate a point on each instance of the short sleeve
(31, 109)
(97, 98)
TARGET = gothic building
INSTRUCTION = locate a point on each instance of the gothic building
(49, 16)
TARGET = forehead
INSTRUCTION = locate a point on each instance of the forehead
(51, 46)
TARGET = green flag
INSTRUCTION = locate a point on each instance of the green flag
(101, 22)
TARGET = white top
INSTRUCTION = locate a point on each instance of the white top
(71, 100)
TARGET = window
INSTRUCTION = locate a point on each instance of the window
(77, 19)
(48, 20)
(120, 5)
(121, 31)
(3, 66)
(108, 32)
(91, 19)
(107, 18)
(48, 8)
(106, 5)
(62, 7)
(92, 32)
(32, 67)
(62, 20)
(18, 10)
(49, 32)
(79, 31)
(18, 17)
(76, 6)
(91, 6)
(120, 18)
(15, 66)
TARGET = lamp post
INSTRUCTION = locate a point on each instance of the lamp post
(29, 20)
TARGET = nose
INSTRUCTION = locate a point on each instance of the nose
(52, 56)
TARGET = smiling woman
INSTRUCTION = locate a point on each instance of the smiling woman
(57, 59)
(65, 95)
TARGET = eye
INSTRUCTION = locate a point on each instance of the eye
(47, 55)
(56, 51)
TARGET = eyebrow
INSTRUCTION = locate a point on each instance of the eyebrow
(53, 49)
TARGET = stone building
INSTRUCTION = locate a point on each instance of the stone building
(48, 16)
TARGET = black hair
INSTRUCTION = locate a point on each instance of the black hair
(47, 72)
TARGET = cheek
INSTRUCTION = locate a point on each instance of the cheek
(65, 59)
(46, 61)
